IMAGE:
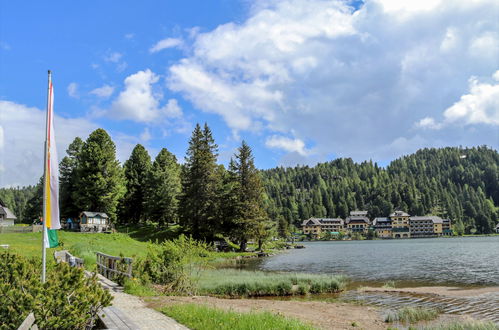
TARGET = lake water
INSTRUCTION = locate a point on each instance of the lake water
(446, 261)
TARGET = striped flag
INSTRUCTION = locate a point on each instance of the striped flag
(51, 188)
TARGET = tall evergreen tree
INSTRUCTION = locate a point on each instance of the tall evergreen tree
(198, 213)
(100, 180)
(68, 178)
(163, 188)
(136, 169)
(251, 219)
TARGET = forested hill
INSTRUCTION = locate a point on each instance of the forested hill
(462, 184)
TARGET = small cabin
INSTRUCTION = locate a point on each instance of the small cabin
(7, 218)
(95, 222)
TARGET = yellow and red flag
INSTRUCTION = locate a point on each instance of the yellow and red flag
(51, 187)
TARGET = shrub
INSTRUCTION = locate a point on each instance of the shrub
(67, 300)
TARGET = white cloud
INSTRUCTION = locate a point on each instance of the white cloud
(140, 102)
(350, 81)
(165, 43)
(145, 135)
(2, 143)
(103, 92)
(287, 144)
(479, 106)
(22, 153)
(129, 35)
(113, 57)
(73, 90)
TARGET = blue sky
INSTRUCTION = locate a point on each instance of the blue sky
(301, 81)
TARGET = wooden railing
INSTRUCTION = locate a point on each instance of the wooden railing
(28, 323)
(65, 256)
(113, 267)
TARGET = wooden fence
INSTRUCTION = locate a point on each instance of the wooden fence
(28, 323)
(113, 267)
(65, 256)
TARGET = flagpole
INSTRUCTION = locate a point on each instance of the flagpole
(45, 187)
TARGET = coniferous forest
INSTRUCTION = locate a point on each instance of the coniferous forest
(241, 202)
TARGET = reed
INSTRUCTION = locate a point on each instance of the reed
(412, 315)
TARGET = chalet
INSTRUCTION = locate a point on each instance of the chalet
(382, 227)
(400, 224)
(94, 222)
(357, 224)
(7, 218)
(315, 226)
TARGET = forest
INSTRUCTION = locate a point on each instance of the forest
(241, 202)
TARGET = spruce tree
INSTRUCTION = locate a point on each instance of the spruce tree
(198, 213)
(100, 180)
(136, 170)
(68, 178)
(163, 188)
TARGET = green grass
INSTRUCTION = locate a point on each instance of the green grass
(389, 285)
(134, 287)
(150, 232)
(79, 244)
(241, 283)
(464, 325)
(205, 318)
(412, 315)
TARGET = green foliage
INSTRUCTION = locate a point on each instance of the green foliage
(100, 180)
(68, 299)
(170, 264)
(18, 201)
(136, 287)
(207, 318)
(240, 283)
(163, 188)
(457, 183)
(464, 325)
(137, 170)
(412, 315)
(67, 179)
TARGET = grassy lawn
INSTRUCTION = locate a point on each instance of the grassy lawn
(205, 318)
(79, 244)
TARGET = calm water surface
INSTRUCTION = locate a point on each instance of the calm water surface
(450, 261)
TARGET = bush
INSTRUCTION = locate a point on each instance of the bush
(171, 264)
(67, 300)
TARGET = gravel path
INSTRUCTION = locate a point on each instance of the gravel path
(136, 309)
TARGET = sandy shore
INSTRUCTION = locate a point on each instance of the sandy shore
(326, 315)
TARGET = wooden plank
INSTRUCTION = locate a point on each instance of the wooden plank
(114, 318)
(28, 322)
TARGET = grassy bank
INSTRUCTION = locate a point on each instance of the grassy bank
(412, 315)
(241, 283)
(205, 318)
(464, 325)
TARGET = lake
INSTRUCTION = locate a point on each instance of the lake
(446, 261)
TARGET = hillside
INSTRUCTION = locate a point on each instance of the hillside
(462, 184)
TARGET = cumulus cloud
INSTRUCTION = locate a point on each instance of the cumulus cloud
(352, 81)
(73, 90)
(164, 44)
(287, 144)
(479, 106)
(103, 92)
(139, 101)
(23, 139)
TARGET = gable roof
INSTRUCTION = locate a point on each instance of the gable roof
(7, 213)
(314, 222)
(94, 214)
(433, 218)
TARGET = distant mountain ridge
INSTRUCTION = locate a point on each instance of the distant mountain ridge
(458, 183)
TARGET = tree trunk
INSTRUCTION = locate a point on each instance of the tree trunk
(242, 246)
(260, 243)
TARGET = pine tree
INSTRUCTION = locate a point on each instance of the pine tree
(68, 178)
(136, 170)
(100, 180)
(163, 188)
(198, 213)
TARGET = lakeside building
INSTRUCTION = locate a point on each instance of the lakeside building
(7, 218)
(316, 226)
(399, 224)
(382, 227)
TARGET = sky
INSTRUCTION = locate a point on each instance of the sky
(301, 81)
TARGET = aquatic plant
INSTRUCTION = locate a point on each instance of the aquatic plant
(412, 315)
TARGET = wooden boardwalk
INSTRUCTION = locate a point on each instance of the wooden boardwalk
(127, 307)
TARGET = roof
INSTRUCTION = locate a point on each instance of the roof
(315, 222)
(331, 220)
(7, 213)
(399, 214)
(433, 218)
(94, 214)
(356, 219)
(322, 221)
(358, 213)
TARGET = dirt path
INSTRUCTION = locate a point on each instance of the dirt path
(321, 314)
